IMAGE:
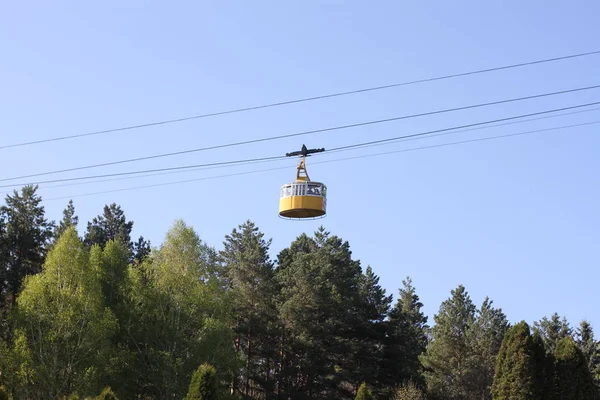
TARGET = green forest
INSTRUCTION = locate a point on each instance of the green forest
(89, 312)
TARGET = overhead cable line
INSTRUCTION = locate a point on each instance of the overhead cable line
(340, 127)
(324, 161)
(351, 146)
(149, 175)
(170, 183)
(470, 140)
(282, 157)
(302, 100)
(335, 150)
(192, 168)
(151, 170)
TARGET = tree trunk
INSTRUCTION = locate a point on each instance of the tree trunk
(280, 366)
(248, 356)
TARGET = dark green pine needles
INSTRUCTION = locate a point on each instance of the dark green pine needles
(573, 376)
(515, 376)
(526, 371)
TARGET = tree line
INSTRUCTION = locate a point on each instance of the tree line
(100, 315)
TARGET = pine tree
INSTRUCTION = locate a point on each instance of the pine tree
(405, 340)
(485, 339)
(590, 348)
(447, 360)
(112, 224)
(574, 379)
(25, 240)
(368, 331)
(69, 219)
(545, 377)
(515, 376)
(248, 272)
(204, 384)
(141, 250)
(411, 306)
(4, 264)
(319, 306)
(364, 393)
(552, 330)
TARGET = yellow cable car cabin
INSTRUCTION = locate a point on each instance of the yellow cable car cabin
(303, 199)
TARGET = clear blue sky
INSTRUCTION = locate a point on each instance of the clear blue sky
(515, 219)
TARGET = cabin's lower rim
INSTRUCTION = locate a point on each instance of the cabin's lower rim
(302, 213)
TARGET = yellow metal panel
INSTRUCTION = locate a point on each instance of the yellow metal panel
(302, 206)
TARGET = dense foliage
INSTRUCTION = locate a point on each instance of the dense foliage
(103, 316)
(364, 393)
(408, 391)
(204, 384)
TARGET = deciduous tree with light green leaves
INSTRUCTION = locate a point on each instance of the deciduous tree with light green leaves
(179, 315)
(62, 340)
(204, 384)
(111, 267)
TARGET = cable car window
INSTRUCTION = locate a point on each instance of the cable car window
(301, 189)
